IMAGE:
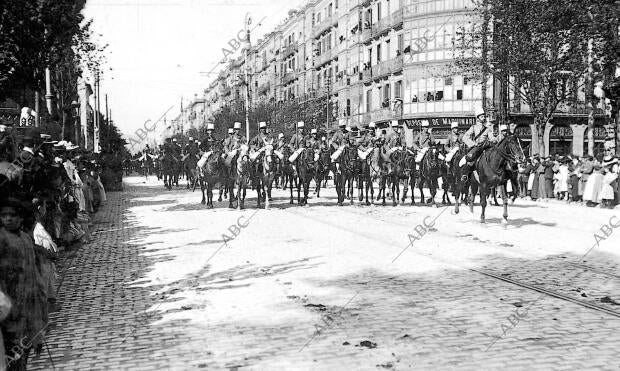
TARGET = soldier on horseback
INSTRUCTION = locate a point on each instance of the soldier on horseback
(337, 140)
(367, 141)
(297, 142)
(395, 140)
(233, 143)
(206, 144)
(477, 138)
(453, 142)
(259, 141)
(423, 141)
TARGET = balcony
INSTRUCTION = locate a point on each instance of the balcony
(367, 35)
(325, 25)
(288, 77)
(323, 58)
(289, 50)
(577, 108)
(382, 114)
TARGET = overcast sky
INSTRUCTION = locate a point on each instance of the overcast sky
(159, 47)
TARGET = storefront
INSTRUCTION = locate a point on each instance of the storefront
(524, 133)
(561, 140)
(599, 141)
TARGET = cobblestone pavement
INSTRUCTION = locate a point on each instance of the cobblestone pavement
(327, 288)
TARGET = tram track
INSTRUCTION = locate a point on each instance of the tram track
(484, 272)
(521, 253)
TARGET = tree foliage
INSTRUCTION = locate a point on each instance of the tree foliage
(538, 47)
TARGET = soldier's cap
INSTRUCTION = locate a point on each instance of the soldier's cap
(45, 136)
(342, 123)
(395, 123)
(191, 138)
(237, 125)
(174, 140)
(313, 131)
(281, 135)
(231, 131)
(262, 124)
(300, 124)
(372, 125)
(454, 125)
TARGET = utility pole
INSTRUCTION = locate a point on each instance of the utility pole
(97, 112)
(48, 92)
(589, 92)
(248, 21)
(329, 84)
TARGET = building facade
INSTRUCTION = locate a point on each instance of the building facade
(383, 60)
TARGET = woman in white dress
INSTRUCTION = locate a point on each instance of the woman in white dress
(592, 190)
(561, 180)
(611, 174)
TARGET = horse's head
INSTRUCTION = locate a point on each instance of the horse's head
(268, 156)
(511, 148)
(433, 163)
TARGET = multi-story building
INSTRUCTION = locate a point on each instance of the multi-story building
(383, 60)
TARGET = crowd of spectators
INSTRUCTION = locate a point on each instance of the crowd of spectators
(584, 180)
(48, 193)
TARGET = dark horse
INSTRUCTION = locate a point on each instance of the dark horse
(492, 169)
(345, 173)
(265, 173)
(323, 166)
(242, 170)
(168, 164)
(430, 171)
(212, 172)
(289, 176)
(306, 168)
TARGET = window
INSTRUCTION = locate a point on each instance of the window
(378, 11)
(329, 10)
(401, 44)
(386, 96)
(465, 80)
(448, 81)
(398, 89)
(439, 95)
(378, 53)
(459, 94)
(369, 57)
(336, 4)
(369, 100)
(313, 19)
(348, 104)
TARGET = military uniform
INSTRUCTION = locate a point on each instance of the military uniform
(298, 140)
(206, 144)
(233, 142)
(259, 141)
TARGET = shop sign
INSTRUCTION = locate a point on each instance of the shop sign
(440, 121)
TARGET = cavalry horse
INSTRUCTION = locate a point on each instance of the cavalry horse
(372, 170)
(492, 169)
(306, 168)
(168, 166)
(289, 175)
(430, 171)
(344, 173)
(242, 173)
(212, 172)
(189, 168)
(265, 172)
(409, 174)
(323, 166)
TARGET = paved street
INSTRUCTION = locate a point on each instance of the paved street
(330, 288)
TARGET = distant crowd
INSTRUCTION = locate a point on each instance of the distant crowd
(572, 179)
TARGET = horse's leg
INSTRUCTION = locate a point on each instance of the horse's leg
(259, 190)
(202, 189)
(421, 188)
(483, 201)
(433, 191)
(457, 194)
(471, 196)
(504, 194)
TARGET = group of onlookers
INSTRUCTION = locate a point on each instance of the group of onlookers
(48, 192)
(570, 178)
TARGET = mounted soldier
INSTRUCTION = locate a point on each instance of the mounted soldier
(477, 138)
(259, 141)
(337, 140)
(367, 141)
(206, 144)
(395, 140)
(233, 143)
(454, 141)
(297, 142)
(423, 141)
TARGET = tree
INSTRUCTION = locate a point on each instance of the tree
(537, 47)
